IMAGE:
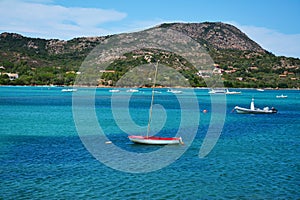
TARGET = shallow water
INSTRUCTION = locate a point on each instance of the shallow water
(42, 155)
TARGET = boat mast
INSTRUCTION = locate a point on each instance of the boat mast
(152, 99)
(252, 104)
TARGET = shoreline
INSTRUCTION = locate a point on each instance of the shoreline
(160, 87)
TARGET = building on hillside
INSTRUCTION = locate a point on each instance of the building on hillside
(107, 71)
(12, 76)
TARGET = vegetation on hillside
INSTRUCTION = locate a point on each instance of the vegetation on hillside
(241, 61)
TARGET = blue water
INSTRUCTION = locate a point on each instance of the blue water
(42, 156)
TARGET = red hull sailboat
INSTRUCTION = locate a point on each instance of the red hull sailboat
(154, 140)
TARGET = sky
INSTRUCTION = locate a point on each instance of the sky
(273, 24)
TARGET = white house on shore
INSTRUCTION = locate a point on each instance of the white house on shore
(11, 76)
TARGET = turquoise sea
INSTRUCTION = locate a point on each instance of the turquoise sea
(43, 157)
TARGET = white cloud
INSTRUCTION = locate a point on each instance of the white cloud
(54, 21)
(277, 43)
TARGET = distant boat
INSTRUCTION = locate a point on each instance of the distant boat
(254, 110)
(114, 91)
(260, 90)
(69, 90)
(154, 140)
(217, 91)
(174, 91)
(132, 90)
(281, 96)
(223, 91)
(232, 92)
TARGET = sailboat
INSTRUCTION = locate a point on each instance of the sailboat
(154, 140)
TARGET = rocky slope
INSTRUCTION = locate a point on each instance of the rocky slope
(244, 62)
(217, 35)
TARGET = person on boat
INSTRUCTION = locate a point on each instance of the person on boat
(273, 109)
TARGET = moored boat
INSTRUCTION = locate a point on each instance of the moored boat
(217, 91)
(69, 90)
(174, 91)
(232, 92)
(281, 96)
(223, 91)
(155, 140)
(114, 91)
(132, 90)
(253, 110)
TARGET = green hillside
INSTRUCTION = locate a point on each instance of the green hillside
(241, 61)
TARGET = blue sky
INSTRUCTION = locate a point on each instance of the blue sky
(271, 23)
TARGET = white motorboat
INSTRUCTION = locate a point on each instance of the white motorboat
(217, 91)
(132, 90)
(253, 110)
(155, 140)
(174, 91)
(281, 96)
(114, 91)
(223, 91)
(232, 92)
(69, 90)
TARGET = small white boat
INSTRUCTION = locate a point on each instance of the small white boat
(223, 91)
(232, 92)
(254, 110)
(69, 90)
(281, 96)
(132, 90)
(174, 91)
(260, 90)
(155, 140)
(217, 91)
(114, 91)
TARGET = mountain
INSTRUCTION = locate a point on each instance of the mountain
(217, 35)
(242, 61)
